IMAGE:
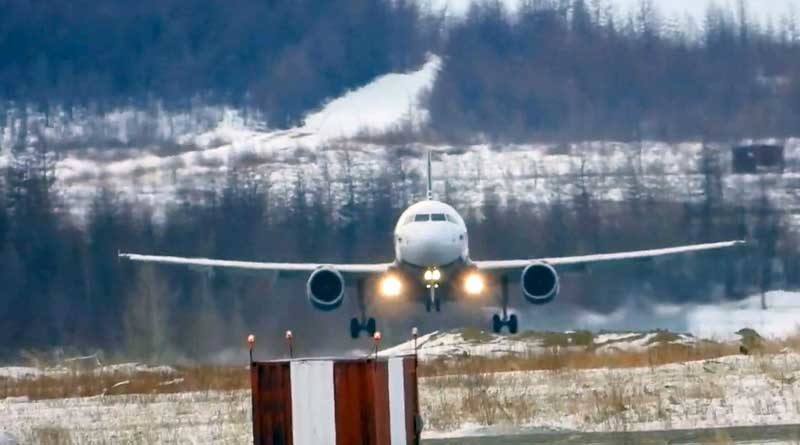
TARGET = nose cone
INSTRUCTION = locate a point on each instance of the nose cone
(429, 245)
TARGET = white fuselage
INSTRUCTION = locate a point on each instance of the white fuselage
(431, 234)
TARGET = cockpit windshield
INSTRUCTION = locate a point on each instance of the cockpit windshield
(422, 217)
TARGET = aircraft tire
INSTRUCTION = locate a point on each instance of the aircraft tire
(497, 324)
(355, 328)
(370, 327)
(512, 324)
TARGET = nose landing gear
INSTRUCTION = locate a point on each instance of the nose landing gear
(357, 325)
(433, 302)
(511, 321)
(364, 323)
(432, 277)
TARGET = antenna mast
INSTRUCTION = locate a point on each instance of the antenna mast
(430, 178)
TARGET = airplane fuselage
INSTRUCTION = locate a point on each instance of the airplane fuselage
(431, 234)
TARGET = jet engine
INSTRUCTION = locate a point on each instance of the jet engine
(325, 289)
(539, 283)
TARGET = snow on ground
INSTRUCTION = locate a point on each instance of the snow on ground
(195, 417)
(8, 439)
(731, 391)
(781, 318)
(474, 343)
(20, 372)
(720, 320)
(462, 343)
(31, 372)
(375, 107)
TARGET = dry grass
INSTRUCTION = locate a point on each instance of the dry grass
(86, 384)
(559, 359)
(86, 380)
(52, 436)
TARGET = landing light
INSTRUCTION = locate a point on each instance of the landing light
(474, 284)
(391, 286)
(432, 275)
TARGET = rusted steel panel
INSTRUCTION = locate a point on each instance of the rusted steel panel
(362, 409)
(365, 408)
(272, 403)
(412, 400)
(380, 397)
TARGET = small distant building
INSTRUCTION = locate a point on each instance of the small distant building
(758, 158)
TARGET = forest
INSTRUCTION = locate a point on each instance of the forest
(282, 57)
(62, 283)
(564, 70)
(572, 70)
(553, 69)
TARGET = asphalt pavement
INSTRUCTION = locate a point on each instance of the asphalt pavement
(772, 435)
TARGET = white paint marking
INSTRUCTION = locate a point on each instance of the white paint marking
(397, 402)
(313, 407)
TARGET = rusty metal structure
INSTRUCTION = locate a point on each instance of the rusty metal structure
(369, 401)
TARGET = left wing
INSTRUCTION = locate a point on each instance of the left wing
(355, 269)
(585, 260)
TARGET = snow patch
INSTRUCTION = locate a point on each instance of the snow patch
(375, 107)
(20, 372)
(780, 319)
(28, 372)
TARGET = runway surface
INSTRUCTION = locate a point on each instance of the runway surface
(773, 435)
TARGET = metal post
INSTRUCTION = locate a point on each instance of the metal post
(414, 335)
(376, 339)
(289, 338)
(251, 343)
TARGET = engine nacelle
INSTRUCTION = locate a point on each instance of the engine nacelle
(325, 289)
(539, 283)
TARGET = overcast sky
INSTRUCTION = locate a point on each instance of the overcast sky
(761, 8)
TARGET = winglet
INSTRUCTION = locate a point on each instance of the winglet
(430, 178)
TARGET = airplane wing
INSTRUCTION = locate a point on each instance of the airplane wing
(353, 269)
(585, 260)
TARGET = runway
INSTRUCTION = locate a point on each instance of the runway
(774, 435)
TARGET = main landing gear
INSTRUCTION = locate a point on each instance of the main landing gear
(433, 302)
(357, 325)
(506, 321)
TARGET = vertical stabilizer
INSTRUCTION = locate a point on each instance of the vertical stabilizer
(430, 177)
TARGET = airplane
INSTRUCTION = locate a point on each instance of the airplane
(432, 264)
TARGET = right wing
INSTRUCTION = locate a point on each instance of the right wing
(585, 260)
(350, 269)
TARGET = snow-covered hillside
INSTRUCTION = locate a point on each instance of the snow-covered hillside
(192, 152)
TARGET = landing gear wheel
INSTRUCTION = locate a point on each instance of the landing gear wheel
(370, 327)
(512, 324)
(438, 305)
(498, 321)
(428, 306)
(355, 328)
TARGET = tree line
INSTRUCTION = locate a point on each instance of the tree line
(62, 284)
(563, 69)
(578, 70)
(281, 57)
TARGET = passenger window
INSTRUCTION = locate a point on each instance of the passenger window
(438, 217)
(422, 217)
